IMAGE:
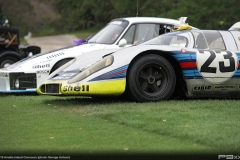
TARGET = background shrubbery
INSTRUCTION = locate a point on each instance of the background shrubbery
(44, 17)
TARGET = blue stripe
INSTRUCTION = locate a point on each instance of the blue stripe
(18, 91)
(112, 74)
(188, 73)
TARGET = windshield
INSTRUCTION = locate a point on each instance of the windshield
(171, 39)
(110, 33)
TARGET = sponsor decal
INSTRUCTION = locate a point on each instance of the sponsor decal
(225, 87)
(55, 55)
(43, 72)
(80, 88)
(202, 88)
(41, 66)
(216, 66)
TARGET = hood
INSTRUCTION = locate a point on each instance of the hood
(80, 63)
(51, 57)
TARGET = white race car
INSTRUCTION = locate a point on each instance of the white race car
(27, 74)
(189, 63)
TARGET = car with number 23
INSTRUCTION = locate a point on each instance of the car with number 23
(193, 63)
(27, 74)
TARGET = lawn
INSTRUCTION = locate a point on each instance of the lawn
(54, 125)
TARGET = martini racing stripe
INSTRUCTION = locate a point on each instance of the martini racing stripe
(181, 57)
(114, 74)
(186, 63)
(237, 73)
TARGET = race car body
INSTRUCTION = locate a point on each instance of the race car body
(193, 63)
(27, 74)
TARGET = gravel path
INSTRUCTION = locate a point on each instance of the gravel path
(48, 43)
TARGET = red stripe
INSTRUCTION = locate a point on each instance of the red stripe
(113, 74)
(188, 64)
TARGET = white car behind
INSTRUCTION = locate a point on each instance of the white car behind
(27, 74)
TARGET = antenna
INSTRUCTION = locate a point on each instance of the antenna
(137, 9)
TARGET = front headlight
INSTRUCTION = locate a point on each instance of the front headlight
(17, 83)
(105, 62)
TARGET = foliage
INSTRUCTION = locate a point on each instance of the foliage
(74, 15)
(33, 16)
(205, 14)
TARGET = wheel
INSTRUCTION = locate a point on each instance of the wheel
(151, 78)
(59, 64)
(7, 61)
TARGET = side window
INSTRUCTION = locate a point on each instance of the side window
(217, 44)
(145, 32)
(209, 40)
(201, 42)
(139, 33)
(129, 35)
(214, 40)
(179, 41)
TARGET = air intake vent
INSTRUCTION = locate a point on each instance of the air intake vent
(43, 88)
(52, 88)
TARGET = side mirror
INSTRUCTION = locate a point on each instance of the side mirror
(122, 43)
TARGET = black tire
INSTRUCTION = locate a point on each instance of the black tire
(7, 61)
(59, 64)
(151, 78)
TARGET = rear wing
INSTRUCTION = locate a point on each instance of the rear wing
(235, 26)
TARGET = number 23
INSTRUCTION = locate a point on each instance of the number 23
(205, 67)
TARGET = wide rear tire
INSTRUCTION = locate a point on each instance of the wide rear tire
(151, 78)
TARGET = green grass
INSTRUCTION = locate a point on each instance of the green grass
(48, 124)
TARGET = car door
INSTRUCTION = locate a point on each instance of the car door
(214, 62)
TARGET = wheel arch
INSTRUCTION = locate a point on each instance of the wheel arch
(180, 88)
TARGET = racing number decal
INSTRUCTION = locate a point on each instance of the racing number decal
(232, 67)
(205, 67)
(216, 66)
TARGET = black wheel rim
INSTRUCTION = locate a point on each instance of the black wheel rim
(151, 79)
(6, 63)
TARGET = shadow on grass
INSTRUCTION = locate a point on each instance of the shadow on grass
(87, 100)
(66, 101)
(18, 94)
